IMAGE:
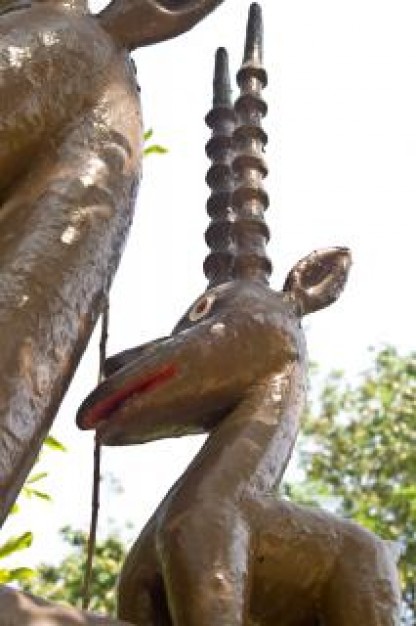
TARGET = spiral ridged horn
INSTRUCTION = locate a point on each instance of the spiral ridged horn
(218, 266)
(249, 198)
(237, 234)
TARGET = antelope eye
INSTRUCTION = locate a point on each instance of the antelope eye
(201, 308)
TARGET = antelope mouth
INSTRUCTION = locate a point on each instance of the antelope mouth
(102, 404)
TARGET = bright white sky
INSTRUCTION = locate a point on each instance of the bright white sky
(342, 157)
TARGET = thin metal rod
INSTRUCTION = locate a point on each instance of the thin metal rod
(95, 500)
(103, 339)
(92, 537)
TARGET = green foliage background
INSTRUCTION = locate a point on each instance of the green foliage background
(64, 582)
(31, 489)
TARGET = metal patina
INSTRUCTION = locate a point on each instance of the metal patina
(70, 163)
(221, 549)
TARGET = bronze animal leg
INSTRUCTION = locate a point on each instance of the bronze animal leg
(363, 588)
(21, 609)
(61, 236)
(204, 534)
(309, 566)
(204, 560)
(141, 591)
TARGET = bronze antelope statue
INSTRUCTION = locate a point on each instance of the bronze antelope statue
(221, 549)
(70, 162)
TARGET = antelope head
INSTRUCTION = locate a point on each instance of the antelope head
(240, 330)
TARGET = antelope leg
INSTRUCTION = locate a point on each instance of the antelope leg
(141, 590)
(364, 588)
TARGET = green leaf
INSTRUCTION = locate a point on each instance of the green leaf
(4, 576)
(35, 493)
(16, 543)
(36, 477)
(54, 444)
(20, 574)
(15, 509)
(155, 149)
(42, 495)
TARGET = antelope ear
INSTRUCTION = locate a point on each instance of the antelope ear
(138, 23)
(317, 280)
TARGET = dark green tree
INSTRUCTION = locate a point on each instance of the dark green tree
(358, 455)
(64, 582)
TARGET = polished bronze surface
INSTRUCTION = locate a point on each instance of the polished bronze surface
(222, 120)
(21, 609)
(221, 549)
(136, 23)
(238, 233)
(249, 198)
(70, 162)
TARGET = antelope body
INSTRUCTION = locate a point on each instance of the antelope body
(221, 549)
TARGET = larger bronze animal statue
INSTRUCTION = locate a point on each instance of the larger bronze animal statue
(221, 550)
(70, 161)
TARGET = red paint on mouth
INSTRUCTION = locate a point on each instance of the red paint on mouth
(102, 409)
